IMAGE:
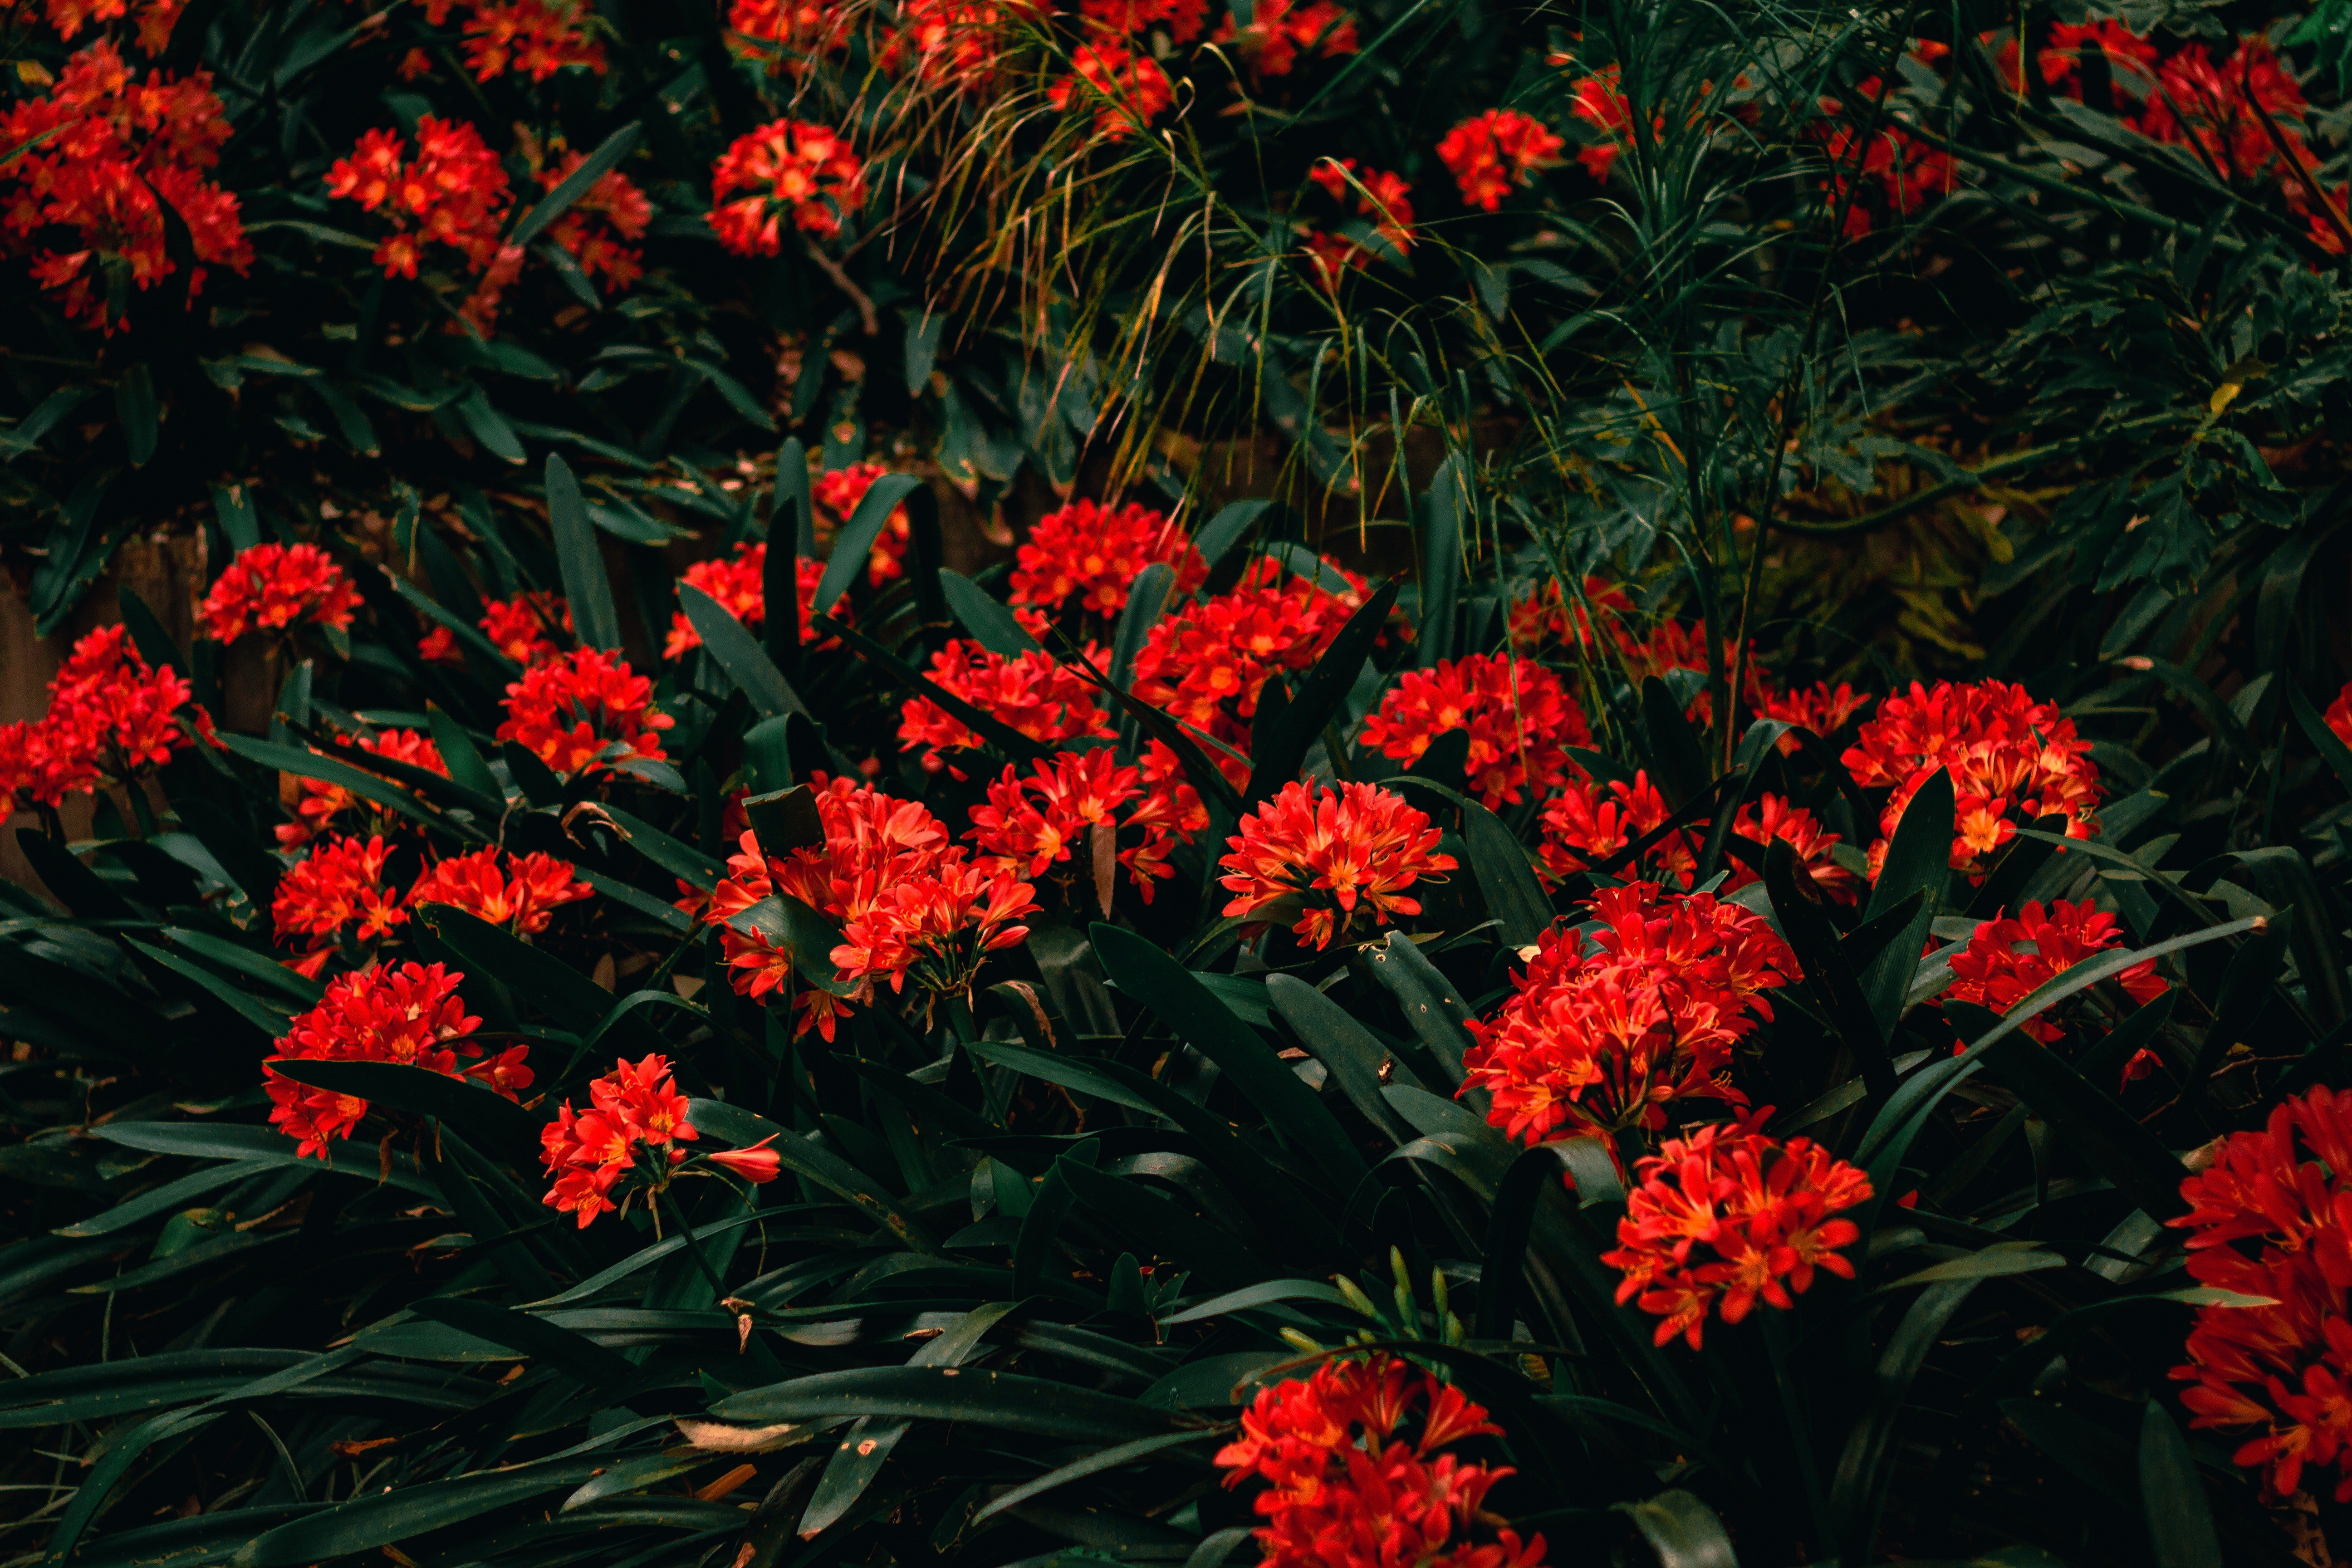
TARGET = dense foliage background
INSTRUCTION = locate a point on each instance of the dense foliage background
(1413, 776)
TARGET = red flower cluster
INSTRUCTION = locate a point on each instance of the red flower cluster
(1206, 663)
(1820, 708)
(594, 229)
(739, 583)
(2008, 958)
(517, 627)
(1729, 1217)
(1032, 824)
(1124, 89)
(1601, 1038)
(1596, 100)
(88, 163)
(1348, 1490)
(317, 803)
(108, 713)
(2010, 757)
(909, 900)
(156, 19)
(839, 492)
(533, 37)
(1490, 153)
(635, 1111)
(1183, 18)
(573, 709)
(1318, 854)
(958, 40)
(522, 897)
(1032, 693)
(1377, 196)
(800, 25)
(787, 167)
(1772, 817)
(340, 883)
(1904, 170)
(1520, 719)
(454, 191)
(410, 1016)
(2284, 1370)
(273, 587)
(1094, 554)
(1588, 822)
(1279, 31)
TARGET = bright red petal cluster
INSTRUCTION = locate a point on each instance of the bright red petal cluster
(410, 1016)
(1490, 153)
(1032, 693)
(1093, 554)
(86, 165)
(2011, 759)
(1030, 824)
(838, 493)
(1729, 1217)
(156, 19)
(1182, 18)
(739, 583)
(959, 41)
(595, 229)
(1519, 717)
(531, 37)
(1279, 31)
(1588, 822)
(273, 587)
(108, 713)
(1597, 100)
(1601, 1038)
(1319, 854)
(787, 168)
(1346, 1487)
(1772, 817)
(1125, 90)
(570, 710)
(2268, 1217)
(2008, 958)
(521, 895)
(1379, 197)
(1206, 664)
(340, 883)
(635, 1109)
(317, 803)
(454, 191)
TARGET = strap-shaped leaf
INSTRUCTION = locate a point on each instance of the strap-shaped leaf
(738, 652)
(988, 620)
(561, 1348)
(458, 749)
(1011, 742)
(577, 184)
(535, 976)
(856, 541)
(482, 1114)
(1347, 1050)
(380, 1519)
(244, 1004)
(1279, 749)
(2092, 1124)
(586, 588)
(997, 1400)
(1226, 529)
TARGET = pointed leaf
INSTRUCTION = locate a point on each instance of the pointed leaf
(585, 587)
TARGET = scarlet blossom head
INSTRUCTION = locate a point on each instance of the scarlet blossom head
(584, 710)
(630, 1140)
(334, 893)
(272, 587)
(1280, 31)
(1090, 555)
(1519, 717)
(739, 582)
(1321, 857)
(320, 802)
(410, 1016)
(109, 715)
(787, 170)
(2008, 958)
(1728, 1218)
(1033, 692)
(520, 893)
(1491, 152)
(1123, 89)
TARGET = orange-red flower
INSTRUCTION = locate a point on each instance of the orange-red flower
(739, 583)
(1029, 825)
(1728, 1218)
(1772, 817)
(1356, 1479)
(787, 168)
(318, 801)
(532, 37)
(1597, 100)
(1279, 31)
(1601, 1038)
(1182, 18)
(1818, 707)
(1381, 198)
(521, 895)
(2010, 760)
(1206, 664)
(839, 492)
(1093, 554)
(410, 1016)
(518, 627)
(2267, 1219)
(273, 587)
(1490, 153)
(108, 714)
(1032, 693)
(2008, 958)
(1123, 89)
(937, 928)
(340, 883)
(2205, 105)
(594, 229)
(1314, 857)
(1519, 717)
(570, 711)
(1588, 822)
(635, 1112)
(454, 191)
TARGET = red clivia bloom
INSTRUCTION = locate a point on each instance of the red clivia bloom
(805, 28)
(320, 802)
(1380, 197)
(1772, 817)
(1032, 693)
(739, 583)
(439, 645)
(1093, 554)
(156, 19)
(518, 628)
(635, 1110)
(2010, 759)
(2008, 958)
(522, 894)
(1170, 815)
(2130, 59)
(454, 191)
(1355, 1477)
(108, 714)
(2266, 1219)
(787, 168)
(1728, 1217)
(1206, 663)
(339, 884)
(1314, 857)
(595, 229)
(937, 928)
(1032, 824)
(531, 37)
(1124, 90)
(1489, 154)
(570, 711)
(1597, 102)
(1818, 707)
(1601, 1038)
(1542, 622)
(839, 492)
(410, 1016)
(1519, 717)
(1279, 31)
(1588, 822)
(90, 161)
(271, 587)
(956, 41)
(2196, 103)
(1182, 18)
(2339, 714)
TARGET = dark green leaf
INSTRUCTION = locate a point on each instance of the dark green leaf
(1277, 757)
(991, 623)
(738, 652)
(483, 1115)
(856, 541)
(1001, 1401)
(577, 184)
(585, 587)
(2179, 1522)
